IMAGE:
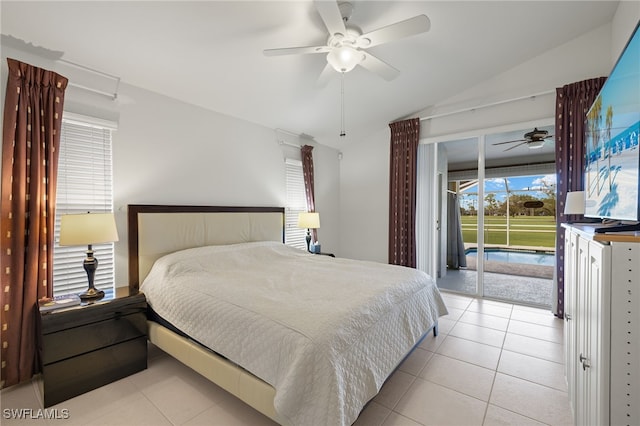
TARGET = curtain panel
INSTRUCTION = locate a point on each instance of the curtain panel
(405, 136)
(307, 173)
(456, 256)
(572, 103)
(30, 140)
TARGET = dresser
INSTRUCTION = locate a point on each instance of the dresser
(602, 326)
(84, 347)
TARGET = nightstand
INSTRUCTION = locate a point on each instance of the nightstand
(84, 347)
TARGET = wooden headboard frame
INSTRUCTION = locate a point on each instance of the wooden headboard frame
(198, 229)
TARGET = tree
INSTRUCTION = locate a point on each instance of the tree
(609, 124)
(492, 203)
(593, 124)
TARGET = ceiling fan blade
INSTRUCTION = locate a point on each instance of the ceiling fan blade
(325, 76)
(515, 146)
(412, 26)
(296, 50)
(517, 140)
(331, 16)
(378, 66)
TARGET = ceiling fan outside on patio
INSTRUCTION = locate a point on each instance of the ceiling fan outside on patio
(345, 48)
(534, 139)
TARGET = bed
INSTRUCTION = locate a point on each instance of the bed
(302, 338)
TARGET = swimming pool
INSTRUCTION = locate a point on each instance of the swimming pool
(516, 256)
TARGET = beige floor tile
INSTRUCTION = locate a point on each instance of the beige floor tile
(430, 404)
(394, 389)
(431, 343)
(100, 402)
(529, 399)
(543, 372)
(180, 398)
(395, 419)
(539, 317)
(497, 416)
(454, 314)
(456, 301)
(460, 376)
(475, 333)
(445, 325)
(491, 308)
(416, 361)
(544, 349)
(475, 353)
(552, 334)
(230, 412)
(137, 410)
(374, 414)
(484, 320)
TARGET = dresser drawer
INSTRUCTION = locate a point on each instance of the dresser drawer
(80, 340)
(74, 376)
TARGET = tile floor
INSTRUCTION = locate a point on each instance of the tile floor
(492, 364)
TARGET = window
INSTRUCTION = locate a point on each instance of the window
(85, 184)
(296, 203)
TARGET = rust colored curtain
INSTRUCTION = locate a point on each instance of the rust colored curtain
(572, 103)
(30, 140)
(405, 136)
(307, 172)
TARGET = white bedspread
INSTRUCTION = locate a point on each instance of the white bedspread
(324, 332)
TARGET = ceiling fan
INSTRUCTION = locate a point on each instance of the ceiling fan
(346, 44)
(534, 139)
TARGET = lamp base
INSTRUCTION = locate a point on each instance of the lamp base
(91, 294)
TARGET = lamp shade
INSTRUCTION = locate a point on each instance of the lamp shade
(344, 58)
(87, 228)
(574, 203)
(309, 220)
(536, 144)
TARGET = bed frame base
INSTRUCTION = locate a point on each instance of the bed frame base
(235, 380)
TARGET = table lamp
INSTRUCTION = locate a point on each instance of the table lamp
(89, 229)
(310, 220)
(574, 203)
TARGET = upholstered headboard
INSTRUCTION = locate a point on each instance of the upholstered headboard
(157, 230)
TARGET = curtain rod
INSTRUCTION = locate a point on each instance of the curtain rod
(444, 114)
(281, 142)
(113, 95)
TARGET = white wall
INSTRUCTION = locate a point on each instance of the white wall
(364, 170)
(169, 152)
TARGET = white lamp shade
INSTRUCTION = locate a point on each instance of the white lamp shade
(87, 228)
(309, 220)
(537, 144)
(344, 58)
(574, 203)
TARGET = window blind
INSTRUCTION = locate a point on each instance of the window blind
(85, 184)
(296, 204)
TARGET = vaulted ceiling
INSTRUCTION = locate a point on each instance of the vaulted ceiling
(210, 53)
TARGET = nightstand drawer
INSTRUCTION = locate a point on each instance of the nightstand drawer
(74, 376)
(80, 340)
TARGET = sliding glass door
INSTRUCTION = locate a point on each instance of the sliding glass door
(499, 215)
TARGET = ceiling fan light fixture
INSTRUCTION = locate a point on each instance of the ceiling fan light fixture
(536, 144)
(344, 58)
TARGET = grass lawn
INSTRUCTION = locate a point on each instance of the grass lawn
(523, 230)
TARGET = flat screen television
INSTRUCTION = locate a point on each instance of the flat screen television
(612, 171)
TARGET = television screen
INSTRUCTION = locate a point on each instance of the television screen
(612, 178)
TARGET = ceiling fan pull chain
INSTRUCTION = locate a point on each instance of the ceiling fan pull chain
(342, 132)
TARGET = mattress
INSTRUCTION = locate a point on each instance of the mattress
(324, 332)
